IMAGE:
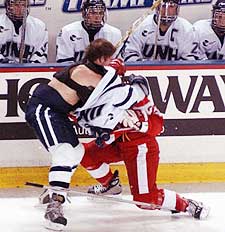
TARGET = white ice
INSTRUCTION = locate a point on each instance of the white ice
(91, 215)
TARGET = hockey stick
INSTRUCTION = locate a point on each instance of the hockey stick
(23, 33)
(157, 34)
(134, 27)
(108, 198)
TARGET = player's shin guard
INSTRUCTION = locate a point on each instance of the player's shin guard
(64, 156)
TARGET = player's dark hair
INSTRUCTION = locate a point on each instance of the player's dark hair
(99, 48)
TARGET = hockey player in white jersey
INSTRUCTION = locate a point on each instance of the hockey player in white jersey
(77, 87)
(75, 37)
(172, 39)
(210, 33)
(18, 27)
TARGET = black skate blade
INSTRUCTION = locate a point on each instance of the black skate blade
(54, 226)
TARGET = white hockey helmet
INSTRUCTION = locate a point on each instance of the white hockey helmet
(17, 9)
(168, 11)
(218, 16)
(94, 13)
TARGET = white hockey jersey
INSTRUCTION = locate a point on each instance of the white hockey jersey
(73, 39)
(209, 43)
(105, 108)
(178, 43)
(36, 41)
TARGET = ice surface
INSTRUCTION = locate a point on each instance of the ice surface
(94, 215)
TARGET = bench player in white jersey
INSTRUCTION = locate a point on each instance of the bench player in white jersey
(211, 32)
(173, 39)
(11, 34)
(75, 37)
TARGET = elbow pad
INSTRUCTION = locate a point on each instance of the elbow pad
(139, 80)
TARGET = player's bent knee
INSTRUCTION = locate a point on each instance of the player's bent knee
(64, 154)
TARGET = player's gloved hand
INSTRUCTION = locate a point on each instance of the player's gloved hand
(135, 120)
(102, 135)
(72, 117)
(7, 61)
(118, 65)
(4, 61)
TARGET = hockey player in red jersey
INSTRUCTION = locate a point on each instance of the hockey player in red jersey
(137, 146)
(140, 153)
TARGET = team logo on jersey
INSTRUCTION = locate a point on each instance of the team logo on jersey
(2, 29)
(74, 38)
(75, 5)
(32, 3)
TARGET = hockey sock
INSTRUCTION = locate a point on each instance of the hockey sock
(181, 203)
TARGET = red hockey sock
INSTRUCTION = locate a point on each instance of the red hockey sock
(105, 179)
(181, 203)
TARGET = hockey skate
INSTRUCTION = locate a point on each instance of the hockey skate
(113, 188)
(55, 219)
(197, 209)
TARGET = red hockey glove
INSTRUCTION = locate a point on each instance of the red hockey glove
(155, 118)
(118, 65)
(72, 117)
(136, 120)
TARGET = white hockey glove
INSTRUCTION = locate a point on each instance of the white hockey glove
(131, 120)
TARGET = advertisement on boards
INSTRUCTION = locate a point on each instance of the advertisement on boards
(192, 101)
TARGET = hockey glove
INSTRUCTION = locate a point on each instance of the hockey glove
(119, 66)
(5, 61)
(102, 135)
(132, 120)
